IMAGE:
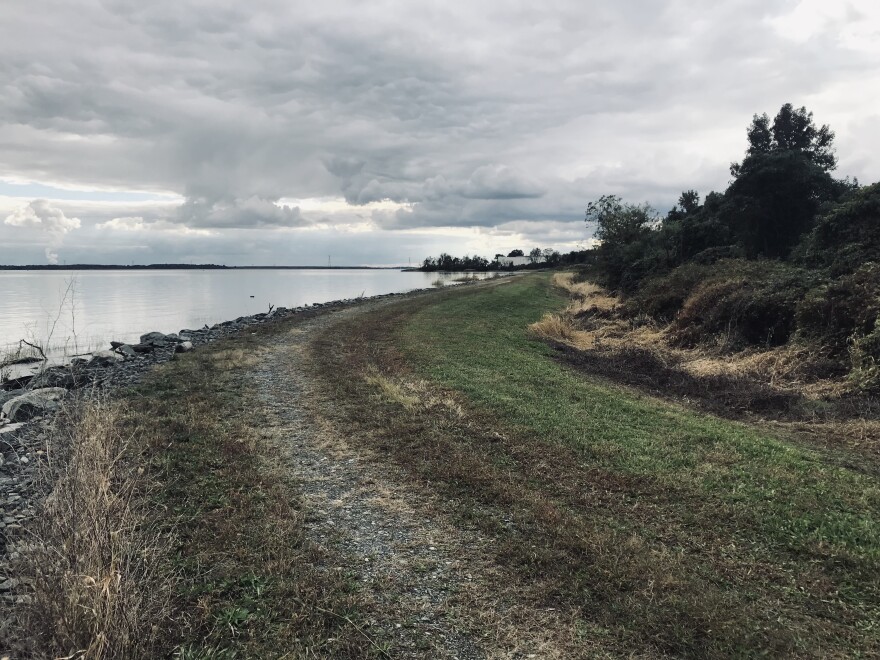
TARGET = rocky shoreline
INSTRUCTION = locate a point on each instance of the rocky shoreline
(29, 403)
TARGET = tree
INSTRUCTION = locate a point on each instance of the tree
(516, 253)
(793, 129)
(691, 229)
(847, 235)
(689, 201)
(535, 255)
(626, 252)
(781, 183)
(551, 256)
(618, 223)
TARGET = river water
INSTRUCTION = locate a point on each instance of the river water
(74, 312)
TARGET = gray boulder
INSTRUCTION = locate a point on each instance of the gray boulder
(155, 339)
(106, 358)
(34, 403)
(8, 396)
(183, 347)
(56, 377)
(125, 351)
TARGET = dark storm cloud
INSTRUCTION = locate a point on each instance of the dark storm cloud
(470, 114)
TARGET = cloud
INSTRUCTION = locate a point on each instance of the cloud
(251, 212)
(465, 114)
(50, 220)
(124, 224)
(501, 182)
(139, 224)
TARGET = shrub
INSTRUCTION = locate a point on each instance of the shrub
(844, 310)
(662, 297)
(865, 374)
(743, 303)
(846, 236)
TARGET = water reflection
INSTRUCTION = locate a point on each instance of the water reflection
(79, 311)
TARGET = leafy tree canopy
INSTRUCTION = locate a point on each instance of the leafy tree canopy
(618, 223)
(781, 183)
(792, 129)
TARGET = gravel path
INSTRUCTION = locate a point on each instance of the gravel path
(413, 566)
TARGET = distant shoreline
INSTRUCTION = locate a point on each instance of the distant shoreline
(190, 267)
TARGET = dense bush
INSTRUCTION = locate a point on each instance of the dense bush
(865, 373)
(786, 251)
(777, 190)
(743, 303)
(842, 311)
(846, 235)
(662, 296)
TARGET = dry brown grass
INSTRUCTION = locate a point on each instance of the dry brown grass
(591, 322)
(587, 299)
(586, 296)
(796, 383)
(96, 565)
(411, 393)
(391, 390)
(556, 327)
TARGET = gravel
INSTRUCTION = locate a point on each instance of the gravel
(412, 564)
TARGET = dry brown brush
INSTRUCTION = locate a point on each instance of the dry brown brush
(96, 566)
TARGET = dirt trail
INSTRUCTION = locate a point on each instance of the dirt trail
(435, 593)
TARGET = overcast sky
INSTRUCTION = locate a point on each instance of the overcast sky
(278, 132)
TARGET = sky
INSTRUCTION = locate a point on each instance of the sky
(292, 133)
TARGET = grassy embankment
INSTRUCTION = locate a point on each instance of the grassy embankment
(175, 529)
(663, 529)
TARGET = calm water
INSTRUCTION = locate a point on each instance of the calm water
(78, 311)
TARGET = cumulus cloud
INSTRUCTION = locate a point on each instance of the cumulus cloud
(47, 219)
(251, 212)
(140, 225)
(130, 223)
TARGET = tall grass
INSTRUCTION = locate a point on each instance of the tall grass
(100, 587)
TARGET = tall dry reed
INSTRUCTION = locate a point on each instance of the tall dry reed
(99, 577)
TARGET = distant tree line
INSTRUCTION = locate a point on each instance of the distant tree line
(537, 257)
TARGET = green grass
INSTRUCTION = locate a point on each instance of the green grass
(478, 345)
(713, 483)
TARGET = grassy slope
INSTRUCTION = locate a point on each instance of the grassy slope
(728, 497)
(478, 345)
